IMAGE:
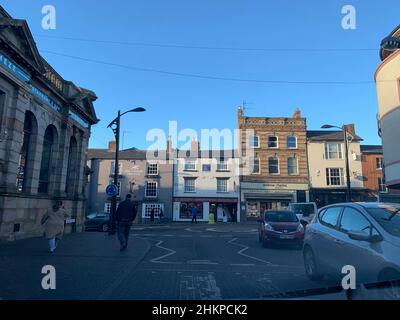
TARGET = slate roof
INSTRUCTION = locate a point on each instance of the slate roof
(371, 149)
(325, 135)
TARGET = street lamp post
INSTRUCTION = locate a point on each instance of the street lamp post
(348, 182)
(115, 126)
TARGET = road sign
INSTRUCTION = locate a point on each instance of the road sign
(112, 190)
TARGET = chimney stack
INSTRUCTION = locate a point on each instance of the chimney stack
(195, 145)
(351, 129)
(169, 145)
(297, 113)
(112, 146)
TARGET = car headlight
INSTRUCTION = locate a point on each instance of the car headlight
(268, 227)
(300, 228)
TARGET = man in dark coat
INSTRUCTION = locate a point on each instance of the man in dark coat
(125, 215)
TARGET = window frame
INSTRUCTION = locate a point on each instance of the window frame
(278, 166)
(251, 142)
(379, 161)
(297, 166)
(226, 180)
(185, 179)
(149, 171)
(277, 142)
(146, 189)
(190, 161)
(252, 161)
(339, 151)
(329, 177)
(287, 144)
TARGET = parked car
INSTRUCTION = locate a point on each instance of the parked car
(280, 227)
(97, 221)
(305, 211)
(363, 235)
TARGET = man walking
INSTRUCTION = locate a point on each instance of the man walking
(194, 214)
(125, 215)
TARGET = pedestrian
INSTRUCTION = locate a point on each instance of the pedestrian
(152, 215)
(194, 214)
(125, 215)
(161, 215)
(53, 221)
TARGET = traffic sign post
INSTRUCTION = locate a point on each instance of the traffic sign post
(112, 191)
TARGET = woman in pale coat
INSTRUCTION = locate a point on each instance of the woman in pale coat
(53, 221)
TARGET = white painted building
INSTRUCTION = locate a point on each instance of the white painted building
(327, 166)
(208, 180)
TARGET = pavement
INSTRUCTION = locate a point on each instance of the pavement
(163, 262)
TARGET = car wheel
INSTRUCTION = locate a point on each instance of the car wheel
(104, 227)
(310, 265)
(392, 290)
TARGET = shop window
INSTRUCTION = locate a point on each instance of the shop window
(148, 207)
(185, 211)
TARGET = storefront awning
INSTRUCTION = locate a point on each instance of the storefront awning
(268, 196)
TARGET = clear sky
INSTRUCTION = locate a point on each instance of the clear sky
(212, 103)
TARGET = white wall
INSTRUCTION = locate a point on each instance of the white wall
(318, 165)
(206, 182)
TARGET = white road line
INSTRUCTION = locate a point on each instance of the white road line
(206, 262)
(240, 252)
(170, 253)
(191, 230)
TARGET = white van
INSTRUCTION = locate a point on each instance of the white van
(305, 210)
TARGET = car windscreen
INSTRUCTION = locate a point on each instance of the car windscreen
(281, 216)
(304, 208)
(388, 217)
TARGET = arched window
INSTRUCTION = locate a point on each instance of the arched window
(26, 144)
(273, 165)
(72, 165)
(292, 166)
(47, 157)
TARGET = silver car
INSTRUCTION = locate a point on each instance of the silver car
(363, 235)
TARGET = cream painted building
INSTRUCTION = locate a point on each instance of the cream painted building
(208, 180)
(387, 78)
(327, 166)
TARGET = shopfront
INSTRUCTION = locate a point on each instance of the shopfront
(223, 210)
(258, 197)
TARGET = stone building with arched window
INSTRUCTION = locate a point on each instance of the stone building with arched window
(45, 124)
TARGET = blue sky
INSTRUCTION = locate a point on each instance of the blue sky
(204, 103)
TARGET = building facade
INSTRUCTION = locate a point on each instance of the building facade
(372, 168)
(274, 168)
(387, 78)
(45, 126)
(208, 180)
(146, 175)
(327, 165)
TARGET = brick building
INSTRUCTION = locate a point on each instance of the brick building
(372, 168)
(274, 162)
(45, 126)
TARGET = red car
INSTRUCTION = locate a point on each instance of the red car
(281, 227)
